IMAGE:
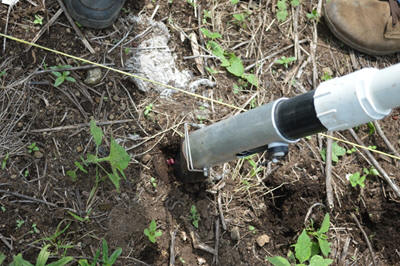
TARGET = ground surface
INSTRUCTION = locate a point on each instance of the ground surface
(271, 202)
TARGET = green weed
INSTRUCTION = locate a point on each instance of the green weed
(34, 229)
(41, 259)
(107, 261)
(56, 241)
(2, 258)
(310, 245)
(337, 151)
(62, 76)
(194, 216)
(38, 20)
(313, 15)
(4, 161)
(358, 179)
(209, 34)
(282, 12)
(153, 182)
(32, 147)
(326, 76)
(240, 19)
(2, 73)
(3, 209)
(234, 2)
(252, 229)
(118, 159)
(151, 232)
(19, 223)
(286, 61)
(371, 128)
(206, 16)
(148, 109)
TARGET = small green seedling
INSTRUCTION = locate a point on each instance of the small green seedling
(118, 158)
(62, 76)
(358, 179)
(153, 182)
(41, 259)
(337, 151)
(307, 249)
(127, 50)
(252, 229)
(206, 15)
(2, 73)
(326, 76)
(148, 109)
(282, 12)
(352, 150)
(4, 161)
(38, 20)
(3, 209)
(2, 258)
(286, 61)
(209, 34)
(234, 2)
(19, 223)
(371, 128)
(295, 3)
(32, 147)
(192, 3)
(240, 19)
(194, 216)
(151, 232)
(34, 229)
(313, 15)
(26, 173)
(182, 260)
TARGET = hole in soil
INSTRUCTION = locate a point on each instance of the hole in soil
(150, 254)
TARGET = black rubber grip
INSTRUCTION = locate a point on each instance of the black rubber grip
(296, 117)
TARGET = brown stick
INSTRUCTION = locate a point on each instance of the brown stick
(77, 30)
(328, 172)
(221, 213)
(376, 164)
(385, 139)
(172, 249)
(217, 235)
(77, 126)
(4, 240)
(365, 237)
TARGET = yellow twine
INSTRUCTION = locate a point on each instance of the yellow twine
(172, 87)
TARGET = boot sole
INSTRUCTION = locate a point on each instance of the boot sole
(91, 23)
(353, 45)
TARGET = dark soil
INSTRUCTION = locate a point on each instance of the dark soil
(35, 189)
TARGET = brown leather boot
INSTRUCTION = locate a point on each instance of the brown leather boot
(369, 26)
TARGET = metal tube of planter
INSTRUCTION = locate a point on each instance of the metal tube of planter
(341, 103)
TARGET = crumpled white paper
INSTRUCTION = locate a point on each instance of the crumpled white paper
(9, 2)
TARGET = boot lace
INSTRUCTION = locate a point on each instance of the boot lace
(394, 11)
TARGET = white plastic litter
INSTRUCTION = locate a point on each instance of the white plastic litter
(154, 60)
(9, 2)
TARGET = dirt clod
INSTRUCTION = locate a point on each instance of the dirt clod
(262, 240)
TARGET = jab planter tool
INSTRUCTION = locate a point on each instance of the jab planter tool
(341, 103)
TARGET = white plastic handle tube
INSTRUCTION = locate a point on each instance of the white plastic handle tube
(357, 98)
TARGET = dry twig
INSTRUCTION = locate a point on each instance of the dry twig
(78, 126)
(385, 139)
(365, 237)
(328, 172)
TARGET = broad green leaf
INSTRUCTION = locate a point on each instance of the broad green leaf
(80, 167)
(209, 34)
(234, 2)
(336, 152)
(58, 81)
(61, 262)
(70, 79)
(118, 157)
(57, 74)
(153, 226)
(158, 233)
(354, 179)
(91, 158)
(43, 256)
(314, 248)
(114, 256)
(320, 261)
(236, 66)
(105, 250)
(114, 177)
(96, 132)
(295, 3)
(83, 262)
(303, 247)
(72, 174)
(218, 52)
(325, 224)
(19, 261)
(325, 246)
(281, 4)
(278, 261)
(251, 78)
(2, 258)
(239, 17)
